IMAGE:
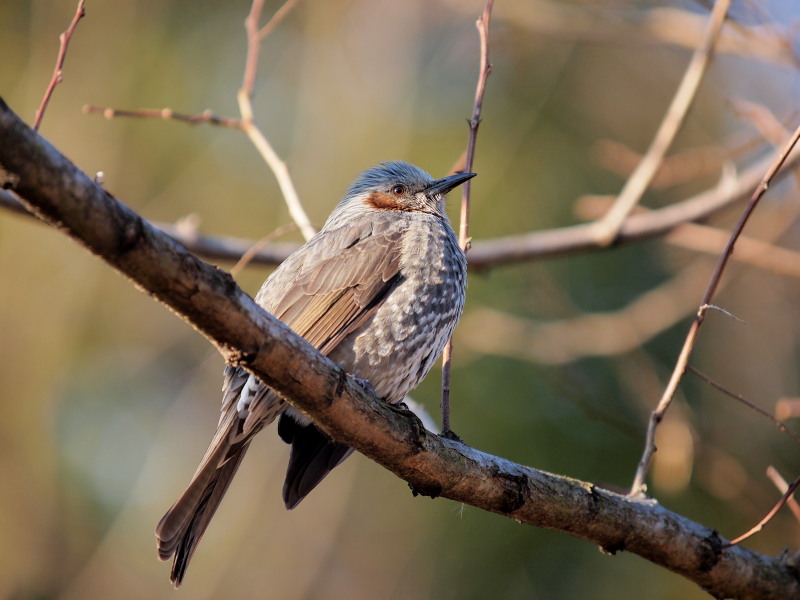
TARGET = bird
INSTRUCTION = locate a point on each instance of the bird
(379, 290)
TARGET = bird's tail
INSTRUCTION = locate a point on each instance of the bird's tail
(313, 456)
(180, 530)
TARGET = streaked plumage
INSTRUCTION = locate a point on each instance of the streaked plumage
(379, 290)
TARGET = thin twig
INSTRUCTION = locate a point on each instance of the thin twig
(777, 422)
(783, 486)
(207, 116)
(790, 490)
(485, 70)
(58, 75)
(259, 140)
(253, 48)
(607, 228)
(248, 256)
(463, 236)
(277, 18)
(683, 358)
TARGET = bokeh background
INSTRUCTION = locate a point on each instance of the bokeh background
(107, 400)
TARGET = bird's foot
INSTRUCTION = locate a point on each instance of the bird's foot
(365, 385)
(451, 435)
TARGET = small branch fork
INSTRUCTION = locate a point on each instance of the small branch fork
(245, 123)
(638, 487)
(245, 97)
(463, 237)
(607, 228)
(786, 489)
(58, 75)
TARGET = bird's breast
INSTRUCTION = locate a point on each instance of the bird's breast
(400, 343)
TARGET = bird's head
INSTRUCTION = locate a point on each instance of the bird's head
(400, 186)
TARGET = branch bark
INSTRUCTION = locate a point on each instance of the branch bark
(208, 299)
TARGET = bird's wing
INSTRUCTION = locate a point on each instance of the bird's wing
(329, 301)
(334, 296)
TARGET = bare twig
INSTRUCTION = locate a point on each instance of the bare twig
(783, 487)
(248, 256)
(245, 123)
(712, 240)
(790, 490)
(58, 75)
(484, 71)
(206, 116)
(607, 228)
(463, 236)
(778, 423)
(259, 140)
(253, 48)
(277, 18)
(256, 35)
(683, 358)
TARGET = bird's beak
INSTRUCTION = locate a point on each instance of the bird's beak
(444, 185)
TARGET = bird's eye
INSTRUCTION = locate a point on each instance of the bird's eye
(399, 190)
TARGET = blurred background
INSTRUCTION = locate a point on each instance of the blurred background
(108, 400)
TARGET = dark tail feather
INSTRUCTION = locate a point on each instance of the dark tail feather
(313, 456)
(180, 530)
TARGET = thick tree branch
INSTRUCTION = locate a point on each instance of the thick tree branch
(209, 300)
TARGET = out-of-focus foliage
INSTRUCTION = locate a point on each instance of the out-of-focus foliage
(107, 400)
